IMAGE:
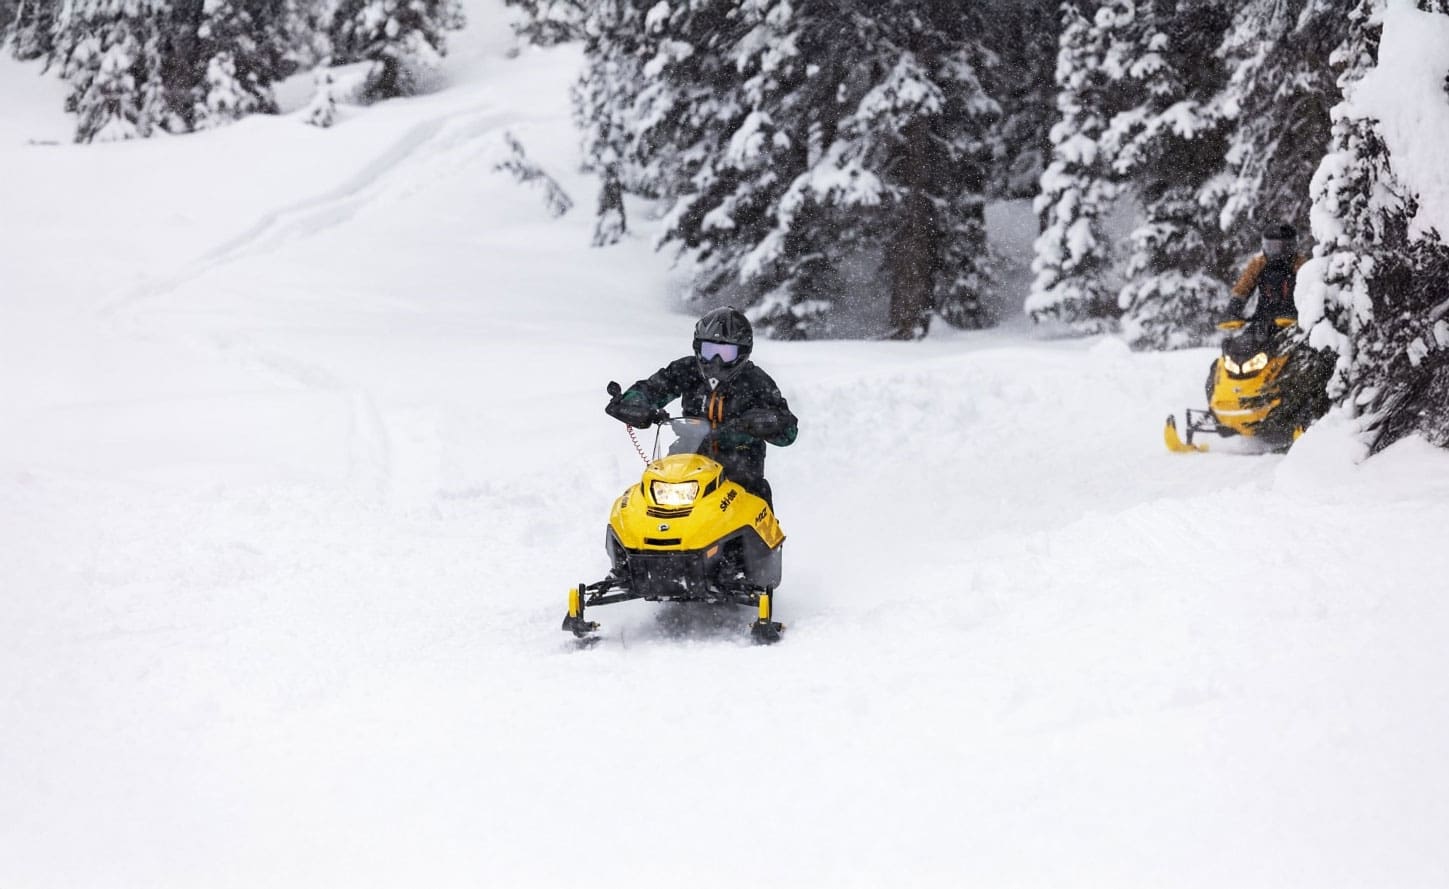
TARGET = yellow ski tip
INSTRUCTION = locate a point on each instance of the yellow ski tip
(1174, 441)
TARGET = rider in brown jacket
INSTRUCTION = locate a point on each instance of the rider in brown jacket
(1272, 275)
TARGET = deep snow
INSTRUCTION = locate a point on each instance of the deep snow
(304, 445)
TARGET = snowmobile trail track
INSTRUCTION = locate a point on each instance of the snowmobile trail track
(332, 208)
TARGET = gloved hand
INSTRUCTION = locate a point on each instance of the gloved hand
(755, 423)
(632, 409)
(729, 436)
(1235, 317)
(760, 422)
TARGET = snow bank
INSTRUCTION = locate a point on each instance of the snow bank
(1327, 454)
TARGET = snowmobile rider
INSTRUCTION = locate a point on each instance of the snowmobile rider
(1272, 275)
(719, 383)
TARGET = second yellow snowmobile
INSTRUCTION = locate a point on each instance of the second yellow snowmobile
(1266, 384)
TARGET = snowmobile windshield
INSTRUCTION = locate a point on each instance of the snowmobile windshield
(684, 435)
(1257, 336)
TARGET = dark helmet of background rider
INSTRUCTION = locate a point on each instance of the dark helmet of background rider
(1279, 239)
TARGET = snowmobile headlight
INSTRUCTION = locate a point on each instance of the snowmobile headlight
(1231, 365)
(1256, 363)
(669, 494)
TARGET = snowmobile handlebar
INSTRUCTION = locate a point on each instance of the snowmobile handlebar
(1282, 322)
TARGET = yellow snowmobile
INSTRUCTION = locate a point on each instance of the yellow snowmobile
(1266, 384)
(687, 533)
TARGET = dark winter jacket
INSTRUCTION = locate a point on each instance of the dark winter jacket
(1274, 280)
(748, 409)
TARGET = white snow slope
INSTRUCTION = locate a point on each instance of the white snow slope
(303, 444)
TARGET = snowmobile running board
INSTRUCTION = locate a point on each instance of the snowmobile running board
(1175, 442)
(764, 630)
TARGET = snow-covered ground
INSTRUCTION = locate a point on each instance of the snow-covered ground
(303, 445)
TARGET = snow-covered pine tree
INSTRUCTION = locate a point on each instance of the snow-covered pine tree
(322, 110)
(241, 51)
(516, 162)
(1073, 258)
(405, 38)
(29, 32)
(1170, 148)
(550, 22)
(792, 210)
(1356, 202)
(1402, 351)
(139, 66)
(795, 138)
(1277, 100)
(636, 123)
(1024, 35)
(111, 55)
(604, 97)
(306, 30)
(923, 129)
(1380, 290)
(712, 133)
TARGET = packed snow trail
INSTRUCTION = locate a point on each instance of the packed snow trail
(287, 542)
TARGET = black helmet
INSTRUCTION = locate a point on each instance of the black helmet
(728, 327)
(1279, 239)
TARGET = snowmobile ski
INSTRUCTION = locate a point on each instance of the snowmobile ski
(1175, 442)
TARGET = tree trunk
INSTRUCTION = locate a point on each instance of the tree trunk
(912, 249)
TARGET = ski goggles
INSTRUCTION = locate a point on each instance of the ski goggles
(729, 353)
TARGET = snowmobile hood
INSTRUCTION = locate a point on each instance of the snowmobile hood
(685, 502)
(681, 468)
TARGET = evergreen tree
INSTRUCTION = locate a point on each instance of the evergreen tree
(603, 98)
(140, 66)
(405, 38)
(1355, 199)
(241, 49)
(111, 56)
(1171, 147)
(550, 22)
(1382, 286)
(307, 33)
(322, 110)
(1278, 100)
(1024, 36)
(29, 30)
(710, 131)
(795, 138)
(1074, 254)
(852, 133)
(923, 130)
